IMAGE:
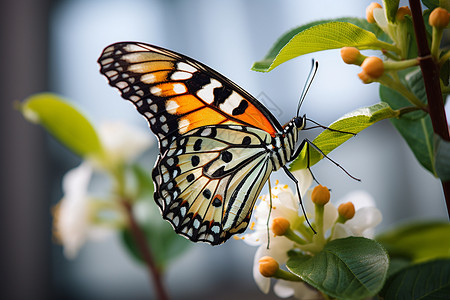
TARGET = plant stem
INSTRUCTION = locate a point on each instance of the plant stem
(145, 252)
(430, 72)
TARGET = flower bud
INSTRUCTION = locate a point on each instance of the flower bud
(346, 210)
(268, 266)
(352, 56)
(439, 18)
(364, 77)
(369, 12)
(280, 225)
(320, 195)
(373, 66)
(402, 12)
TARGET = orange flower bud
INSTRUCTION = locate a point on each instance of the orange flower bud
(268, 266)
(402, 12)
(364, 77)
(346, 210)
(280, 225)
(352, 56)
(373, 66)
(369, 11)
(439, 18)
(320, 195)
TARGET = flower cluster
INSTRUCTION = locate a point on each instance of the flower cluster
(82, 215)
(280, 227)
(373, 68)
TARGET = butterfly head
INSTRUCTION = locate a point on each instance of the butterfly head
(300, 122)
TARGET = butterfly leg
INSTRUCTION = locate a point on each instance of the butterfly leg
(326, 128)
(291, 176)
(270, 212)
(309, 143)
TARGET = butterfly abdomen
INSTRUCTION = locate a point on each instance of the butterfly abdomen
(283, 145)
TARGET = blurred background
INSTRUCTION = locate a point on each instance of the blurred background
(54, 45)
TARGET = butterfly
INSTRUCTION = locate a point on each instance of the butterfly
(218, 144)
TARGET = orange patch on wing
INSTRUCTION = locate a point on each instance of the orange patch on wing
(202, 117)
(155, 77)
(183, 104)
(255, 117)
(168, 89)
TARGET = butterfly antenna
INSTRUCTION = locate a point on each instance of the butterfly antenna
(311, 75)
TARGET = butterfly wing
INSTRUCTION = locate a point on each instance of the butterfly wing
(208, 181)
(213, 162)
(177, 94)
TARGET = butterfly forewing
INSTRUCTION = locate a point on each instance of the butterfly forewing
(177, 94)
(212, 136)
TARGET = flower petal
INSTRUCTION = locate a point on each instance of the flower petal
(123, 142)
(262, 282)
(304, 178)
(71, 218)
(364, 219)
(283, 288)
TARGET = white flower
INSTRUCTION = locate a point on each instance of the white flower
(77, 214)
(285, 204)
(367, 216)
(72, 212)
(123, 142)
(299, 290)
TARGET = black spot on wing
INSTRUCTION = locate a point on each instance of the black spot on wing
(190, 177)
(227, 156)
(195, 160)
(198, 145)
(221, 94)
(197, 82)
(207, 193)
(246, 141)
(240, 109)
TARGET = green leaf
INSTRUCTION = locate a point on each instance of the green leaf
(415, 128)
(391, 7)
(430, 280)
(164, 243)
(431, 4)
(442, 158)
(353, 122)
(64, 122)
(415, 83)
(445, 4)
(144, 182)
(396, 265)
(285, 38)
(350, 268)
(324, 36)
(418, 241)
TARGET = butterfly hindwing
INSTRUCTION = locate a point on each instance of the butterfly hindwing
(208, 180)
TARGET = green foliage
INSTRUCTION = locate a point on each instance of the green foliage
(164, 243)
(312, 38)
(353, 122)
(429, 280)
(64, 122)
(418, 242)
(415, 128)
(391, 7)
(431, 4)
(350, 268)
(442, 158)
